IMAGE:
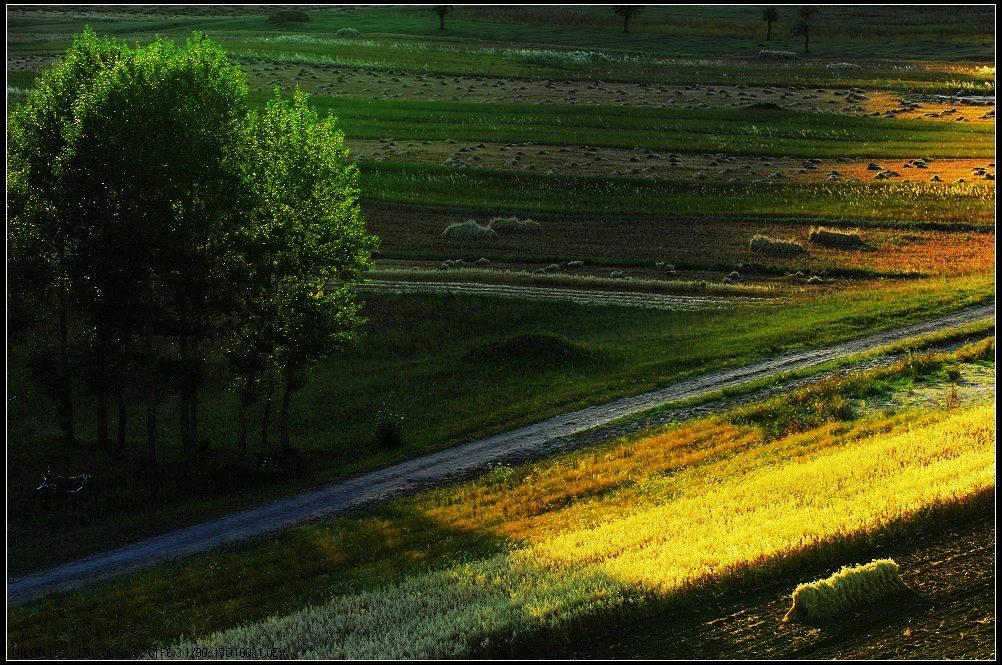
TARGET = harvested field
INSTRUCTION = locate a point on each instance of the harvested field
(666, 165)
(707, 244)
(337, 82)
(332, 81)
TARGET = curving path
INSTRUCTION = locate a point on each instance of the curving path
(438, 467)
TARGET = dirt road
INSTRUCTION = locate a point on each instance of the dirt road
(435, 468)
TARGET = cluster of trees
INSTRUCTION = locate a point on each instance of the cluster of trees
(805, 18)
(770, 15)
(155, 222)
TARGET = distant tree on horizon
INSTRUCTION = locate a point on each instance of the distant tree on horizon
(442, 10)
(770, 15)
(627, 12)
(803, 27)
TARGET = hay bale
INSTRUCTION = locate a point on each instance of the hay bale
(843, 67)
(836, 239)
(775, 246)
(769, 54)
(469, 231)
(346, 32)
(850, 587)
(514, 225)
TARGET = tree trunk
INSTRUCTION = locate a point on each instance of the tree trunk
(441, 21)
(194, 417)
(184, 416)
(807, 42)
(187, 396)
(284, 420)
(65, 399)
(242, 429)
(151, 430)
(122, 419)
(768, 32)
(626, 23)
(266, 421)
(102, 421)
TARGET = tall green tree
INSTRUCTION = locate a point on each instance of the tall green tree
(154, 156)
(442, 10)
(627, 12)
(44, 231)
(313, 246)
(805, 19)
(770, 15)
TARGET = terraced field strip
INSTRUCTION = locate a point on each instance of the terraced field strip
(438, 467)
(576, 296)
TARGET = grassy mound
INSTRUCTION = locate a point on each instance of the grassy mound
(836, 239)
(515, 225)
(469, 231)
(851, 587)
(536, 347)
(775, 246)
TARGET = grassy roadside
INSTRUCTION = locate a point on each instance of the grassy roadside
(912, 345)
(475, 520)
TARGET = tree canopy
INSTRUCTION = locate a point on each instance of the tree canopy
(153, 217)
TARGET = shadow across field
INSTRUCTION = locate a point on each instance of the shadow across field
(949, 612)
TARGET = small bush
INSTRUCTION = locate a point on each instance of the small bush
(537, 348)
(515, 225)
(346, 32)
(469, 231)
(284, 16)
(767, 54)
(389, 427)
(849, 588)
(836, 239)
(775, 246)
(500, 474)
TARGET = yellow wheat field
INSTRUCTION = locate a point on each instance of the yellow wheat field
(738, 516)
